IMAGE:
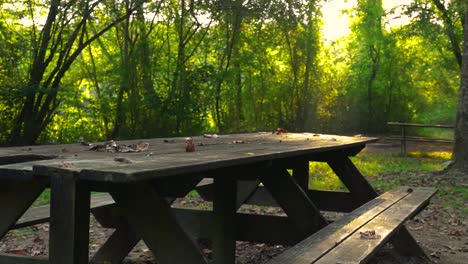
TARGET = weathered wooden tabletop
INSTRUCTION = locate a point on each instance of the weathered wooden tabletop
(160, 170)
(167, 156)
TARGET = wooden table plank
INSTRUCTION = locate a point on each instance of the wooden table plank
(143, 205)
(176, 145)
(264, 147)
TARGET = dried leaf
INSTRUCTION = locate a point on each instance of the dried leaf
(141, 146)
(210, 136)
(370, 234)
(123, 160)
(190, 146)
(280, 131)
(125, 149)
(98, 147)
(64, 164)
(20, 252)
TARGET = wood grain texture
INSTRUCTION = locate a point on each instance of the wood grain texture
(169, 159)
(340, 242)
(320, 243)
(355, 249)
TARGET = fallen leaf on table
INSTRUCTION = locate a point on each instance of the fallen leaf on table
(125, 149)
(370, 234)
(140, 146)
(279, 131)
(64, 164)
(190, 147)
(250, 154)
(123, 160)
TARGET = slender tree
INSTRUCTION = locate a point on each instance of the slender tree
(460, 149)
(61, 40)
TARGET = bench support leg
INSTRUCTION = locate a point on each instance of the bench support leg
(300, 170)
(405, 244)
(17, 196)
(151, 217)
(117, 246)
(359, 188)
(294, 201)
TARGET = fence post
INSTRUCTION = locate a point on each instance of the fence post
(403, 139)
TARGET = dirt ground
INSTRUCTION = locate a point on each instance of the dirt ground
(441, 231)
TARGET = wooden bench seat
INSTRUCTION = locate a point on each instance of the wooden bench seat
(41, 214)
(345, 240)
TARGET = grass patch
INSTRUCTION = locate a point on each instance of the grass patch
(387, 170)
(374, 165)
(44, 198)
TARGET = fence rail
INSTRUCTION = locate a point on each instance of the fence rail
(405, 137)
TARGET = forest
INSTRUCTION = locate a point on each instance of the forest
(102, 69)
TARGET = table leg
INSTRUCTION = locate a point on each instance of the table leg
(124, 238)
(224, 226)
(294, 201)
(152, 218)
(359, 188)
(69, 220)
(15, 198)
(300, 170)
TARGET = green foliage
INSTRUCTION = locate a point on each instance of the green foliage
(192, 67)
(375, 165)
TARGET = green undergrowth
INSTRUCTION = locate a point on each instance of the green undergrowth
(376, 165)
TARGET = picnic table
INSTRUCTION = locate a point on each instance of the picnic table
(243, 168)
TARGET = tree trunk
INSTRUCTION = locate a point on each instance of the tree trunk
(460, 149)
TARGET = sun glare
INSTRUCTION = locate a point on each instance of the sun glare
(336, 20)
